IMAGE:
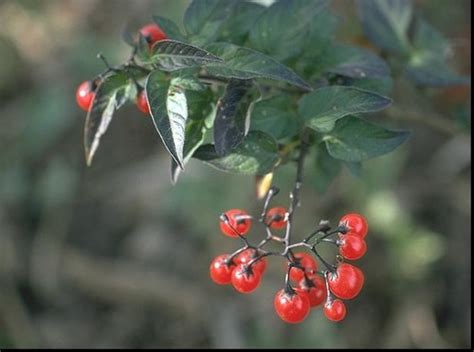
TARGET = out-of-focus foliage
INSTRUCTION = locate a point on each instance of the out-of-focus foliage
(115, 256)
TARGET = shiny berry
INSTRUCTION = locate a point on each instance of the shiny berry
(238, 220)
(315, 289)
(292, 307)
(220, 270)
(356, 224)
(276, 217)
(249, 254)
(352, 247)
(346, 282)
(152, 33)
(245, 279)
(335, 310)
(306, 261)
(142, 103)
(85, 95)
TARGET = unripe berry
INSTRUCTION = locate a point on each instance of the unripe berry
(335, 310)
(315, 289)
(85, 95)
(292, 307)
(346, 282)
(306, 261)
(352, 247)
(356, 224)
(142, 103)
(238, 220)
(245, 279)
(152, 33)
(276, 217)
(220, 270)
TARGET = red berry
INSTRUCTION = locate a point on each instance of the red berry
(352, 247)
(142, 103)
(245, 279)
(316, 290)
(335, 310)
(346, 282)
(276, 217)
(85, 95)
(306, 261)
(238, 220)
(152, 33)
(249, 254)
(356, 224)
(220, 270)
(292, 307)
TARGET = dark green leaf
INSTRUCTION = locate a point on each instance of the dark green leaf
(354, 62)
(170, 28)
(169, 111)
(172, 55)
(323, 107)
(194, 137)
(326, 169)
(275, 116)
(386, 23)
(110, 95)
(237, 27)
(204, 19)
(281, 29)
(231, 122)
(256, 155)
(355, 140)
(244, 63)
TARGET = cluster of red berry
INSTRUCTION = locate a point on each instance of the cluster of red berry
(85, 93)
(245, 267)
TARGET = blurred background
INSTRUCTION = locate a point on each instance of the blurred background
(115, 256)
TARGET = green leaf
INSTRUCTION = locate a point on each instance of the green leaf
(275, 116)
(430, 71)
(382, 86)
(231, 122)
(237, 27)
(326, 169)
(188, 83)
(386, 23)
(244, 63)
(200, 103)
(355, 140)
(110, 94)
(256, 155)
(172, 55)
(169, 111)
(350, 61)
(321, 32)
(194, 137)
(281, 29)
(427, 65)
(323, 107)
(204, 19)
(170, 28)
(355, 168)
(143, 49)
